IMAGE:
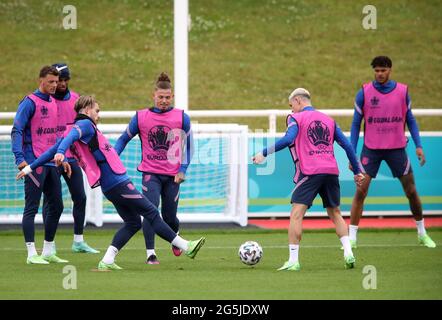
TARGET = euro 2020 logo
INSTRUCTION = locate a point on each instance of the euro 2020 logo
(159, 139)
(163, 141)
(318, 135)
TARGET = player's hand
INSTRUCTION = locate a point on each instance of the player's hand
(179, 177)
(359, 178)
(67, 168)
(421, 156)
(258, 158)
(58, 159)
(20, 175)
(23, 172)
(22, 165)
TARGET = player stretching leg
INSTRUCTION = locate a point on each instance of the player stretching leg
(385, 107)
(35, 131)
(310, 136)
(65, 100)
(102, 166)
(165, 158)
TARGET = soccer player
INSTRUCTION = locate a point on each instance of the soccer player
(162, 129)
(385, 106)
(310, 135)
(65, 101)
(102, 166)
(35, 131)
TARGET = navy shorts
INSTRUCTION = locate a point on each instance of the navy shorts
(326, 185)
(397, 160)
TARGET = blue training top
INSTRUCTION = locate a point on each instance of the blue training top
(359, 114)
(21, 140)
(132, 130)
(108, 178)
(292, 133)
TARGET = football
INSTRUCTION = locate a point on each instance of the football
(250, 253)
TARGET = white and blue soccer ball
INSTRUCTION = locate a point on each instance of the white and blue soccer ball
(250, 253)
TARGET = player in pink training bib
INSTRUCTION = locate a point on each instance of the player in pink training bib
(65, 100)
(166, 139)
(385, 107)
(35, 131)
(310, 136)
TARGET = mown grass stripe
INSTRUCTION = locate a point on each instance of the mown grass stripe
(259, 202)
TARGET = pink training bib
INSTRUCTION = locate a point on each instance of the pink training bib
(43, 125)
(162, 140)
(384, 117)
(312, 150)
(86, 160)
(66, 114)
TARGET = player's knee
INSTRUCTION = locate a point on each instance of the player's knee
(411, 192)
(30, 213)
(334, 213)
(134, 225)
(58, 208)
(170, 220)
(31, 208)
(297, 215)
(361, 193)
(79, 199)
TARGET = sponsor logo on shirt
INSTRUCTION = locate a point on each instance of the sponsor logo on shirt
(372, 120)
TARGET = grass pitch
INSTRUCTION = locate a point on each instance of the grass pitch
(404, 270)
(242, 54)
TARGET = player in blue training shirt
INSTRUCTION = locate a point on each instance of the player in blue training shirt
(163, 129)
(385, 106)
(34, 131)
(65, 100)
(310, 136)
